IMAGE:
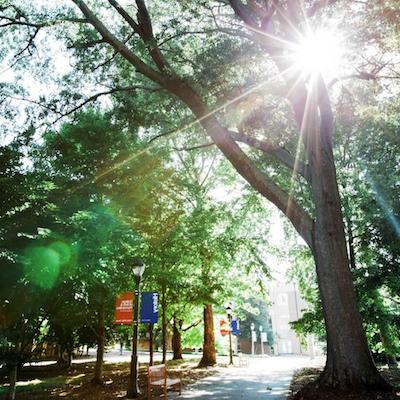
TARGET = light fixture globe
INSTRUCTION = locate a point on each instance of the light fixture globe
(138, 267)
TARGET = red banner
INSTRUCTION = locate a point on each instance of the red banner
(223, 327)
(123, 308)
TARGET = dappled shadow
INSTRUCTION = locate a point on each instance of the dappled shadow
(240, 385)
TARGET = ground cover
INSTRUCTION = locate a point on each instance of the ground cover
(303, 387)
(51, 382)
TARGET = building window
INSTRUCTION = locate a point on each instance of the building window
(283, 299)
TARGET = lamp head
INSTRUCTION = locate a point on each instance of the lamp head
(229, 309)
(138, 267)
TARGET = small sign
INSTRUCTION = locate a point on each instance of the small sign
(253, 336)
(235, 327)
(123, 308)
(223, 327)
(149, 308)
(264, 337)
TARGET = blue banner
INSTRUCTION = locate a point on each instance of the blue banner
(235, 327)
(149, 308)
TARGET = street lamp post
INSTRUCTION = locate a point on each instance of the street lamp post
(252, 327)
(229, 312)
(133, 388)
(262, 346)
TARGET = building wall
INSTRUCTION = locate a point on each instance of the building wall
(287, 306)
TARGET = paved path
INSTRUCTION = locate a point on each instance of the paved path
(264, 378)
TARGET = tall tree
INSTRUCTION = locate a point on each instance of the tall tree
(268, 28)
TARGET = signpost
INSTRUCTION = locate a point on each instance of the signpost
(253, 337)
(261, 339)
(148, 311)
(264, 337)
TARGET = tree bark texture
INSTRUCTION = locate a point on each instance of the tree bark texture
(209, 357)
(349, 361)
(98, 370)
(177, 339)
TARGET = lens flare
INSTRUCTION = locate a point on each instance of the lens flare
(41, 266)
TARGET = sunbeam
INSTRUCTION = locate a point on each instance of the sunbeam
(129, 159)
(318, 52)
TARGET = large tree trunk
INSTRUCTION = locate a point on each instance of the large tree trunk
(60, 352)
(177, 340)
(209, 353)
(164, 324)
(98, 370)
(349, 362)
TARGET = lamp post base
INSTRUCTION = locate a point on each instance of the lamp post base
(133, 395)
(133, 391)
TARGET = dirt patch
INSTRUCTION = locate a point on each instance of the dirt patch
(302, 387)
(45, 383)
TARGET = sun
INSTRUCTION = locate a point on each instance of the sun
(318, 52)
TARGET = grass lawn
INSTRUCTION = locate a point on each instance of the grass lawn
(51, 382)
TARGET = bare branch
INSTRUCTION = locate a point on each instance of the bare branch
(29, 44)
(97, 95)
(200, 146)
(109, 59)
(191, 326)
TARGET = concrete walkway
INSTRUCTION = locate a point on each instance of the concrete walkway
(264, 378)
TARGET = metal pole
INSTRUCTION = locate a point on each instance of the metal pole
(133, 388)
(151, 344)
(252, 337)
(230, 340)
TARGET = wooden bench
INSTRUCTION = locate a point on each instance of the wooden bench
(157, 377)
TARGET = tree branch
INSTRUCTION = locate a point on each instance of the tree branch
(279, 153)
(300, 219)
(97, 95)
(145, 30)
(200, 146)
(244, 13)
(118, 45)
(124, 14)
(29, 44)
(318, 5)
(302, 222)
(191, 326)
